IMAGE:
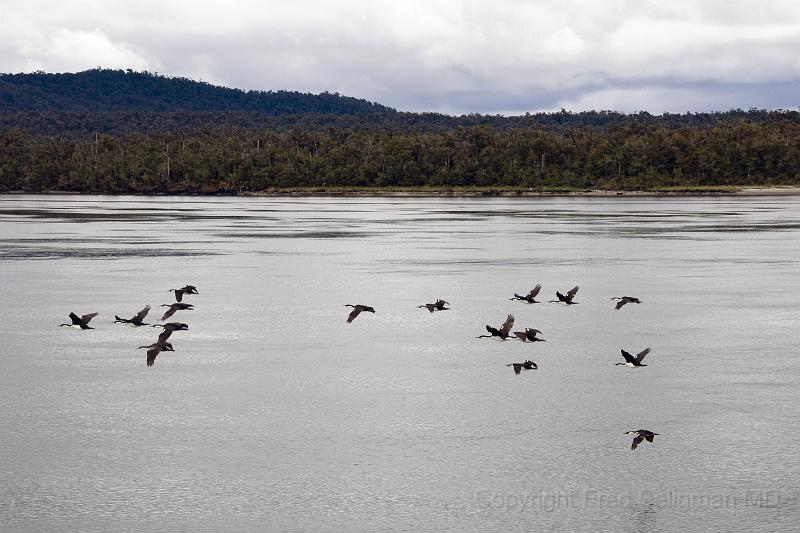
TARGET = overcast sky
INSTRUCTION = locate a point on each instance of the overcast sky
(496, 56)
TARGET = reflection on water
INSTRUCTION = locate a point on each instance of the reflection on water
(275, 414)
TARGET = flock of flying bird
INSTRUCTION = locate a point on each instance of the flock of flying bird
(530, 335)
(503, 332)
(161, 344)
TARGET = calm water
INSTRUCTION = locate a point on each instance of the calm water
(274, 414)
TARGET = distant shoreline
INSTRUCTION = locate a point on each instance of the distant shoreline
(456, 192)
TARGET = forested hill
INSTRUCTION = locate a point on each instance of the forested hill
(102, 90)
(120, 102)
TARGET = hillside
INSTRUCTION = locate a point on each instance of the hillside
(102, 90)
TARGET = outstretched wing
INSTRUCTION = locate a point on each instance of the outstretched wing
(86, 318)
(521, 335)
(76, 320)
(517, 367)
(169, 313)
(507, 325)
(628, 357)
(636, 440)
(649, 438)
(353, 314)
(535, 291)
(572, 292)
(141, 314)
(431, 307)
(561, 297)
(151, 355)
(178, 294)
(162, 338)
(620, 304)
(641, 355)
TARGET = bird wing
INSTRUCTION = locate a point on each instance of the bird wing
(76, 320)
(628, 357)
(141, 314)
(151, 355)
(636, 440)
(620, 304)
(649, 438)
(431, 307)
(162, 338)
(573, 291)
(535, 291)
(169, 313)
(178, 294)
(534, 331)
(641, 355)
(353, 314)
(507, 325)
(86, 318)
(368, 308)
(517, 367)
(521, 335)
(493, 331)
(442, 302)
(561, 297)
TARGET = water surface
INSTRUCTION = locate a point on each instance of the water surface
(273, 414)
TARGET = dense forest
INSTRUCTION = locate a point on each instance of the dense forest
(623, 157)
(63, 132)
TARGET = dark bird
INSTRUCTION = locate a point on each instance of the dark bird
(80, 321)
(567, 299)
(530, 296)
(631, 360)
(519, 367)
(169, 328)
(188, 289)
(529, 335)
(438, 306)
(640, 435)
(356, 310)
(625, 300)
(137, 319)
(178, 306)
(156, 348)
(503, 332)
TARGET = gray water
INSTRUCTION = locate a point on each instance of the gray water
(274, 414)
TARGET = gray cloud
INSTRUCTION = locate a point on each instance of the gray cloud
(500, 56)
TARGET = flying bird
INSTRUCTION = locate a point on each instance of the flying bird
(188, 289)
(567, 299)
(529, 335)
(178, 306)
(530, 297)
(640, 435)
(80, 321)
(633, 361)
(519, 367)
(156, 348)
(356, 310)
(503, 332)
(438, 306)
(137, 319)
(169, 328)
(625, 300)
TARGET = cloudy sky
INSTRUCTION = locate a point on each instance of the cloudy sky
(487, 56)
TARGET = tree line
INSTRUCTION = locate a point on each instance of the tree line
(632, 155)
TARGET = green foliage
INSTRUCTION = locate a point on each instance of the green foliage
(624, 157)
